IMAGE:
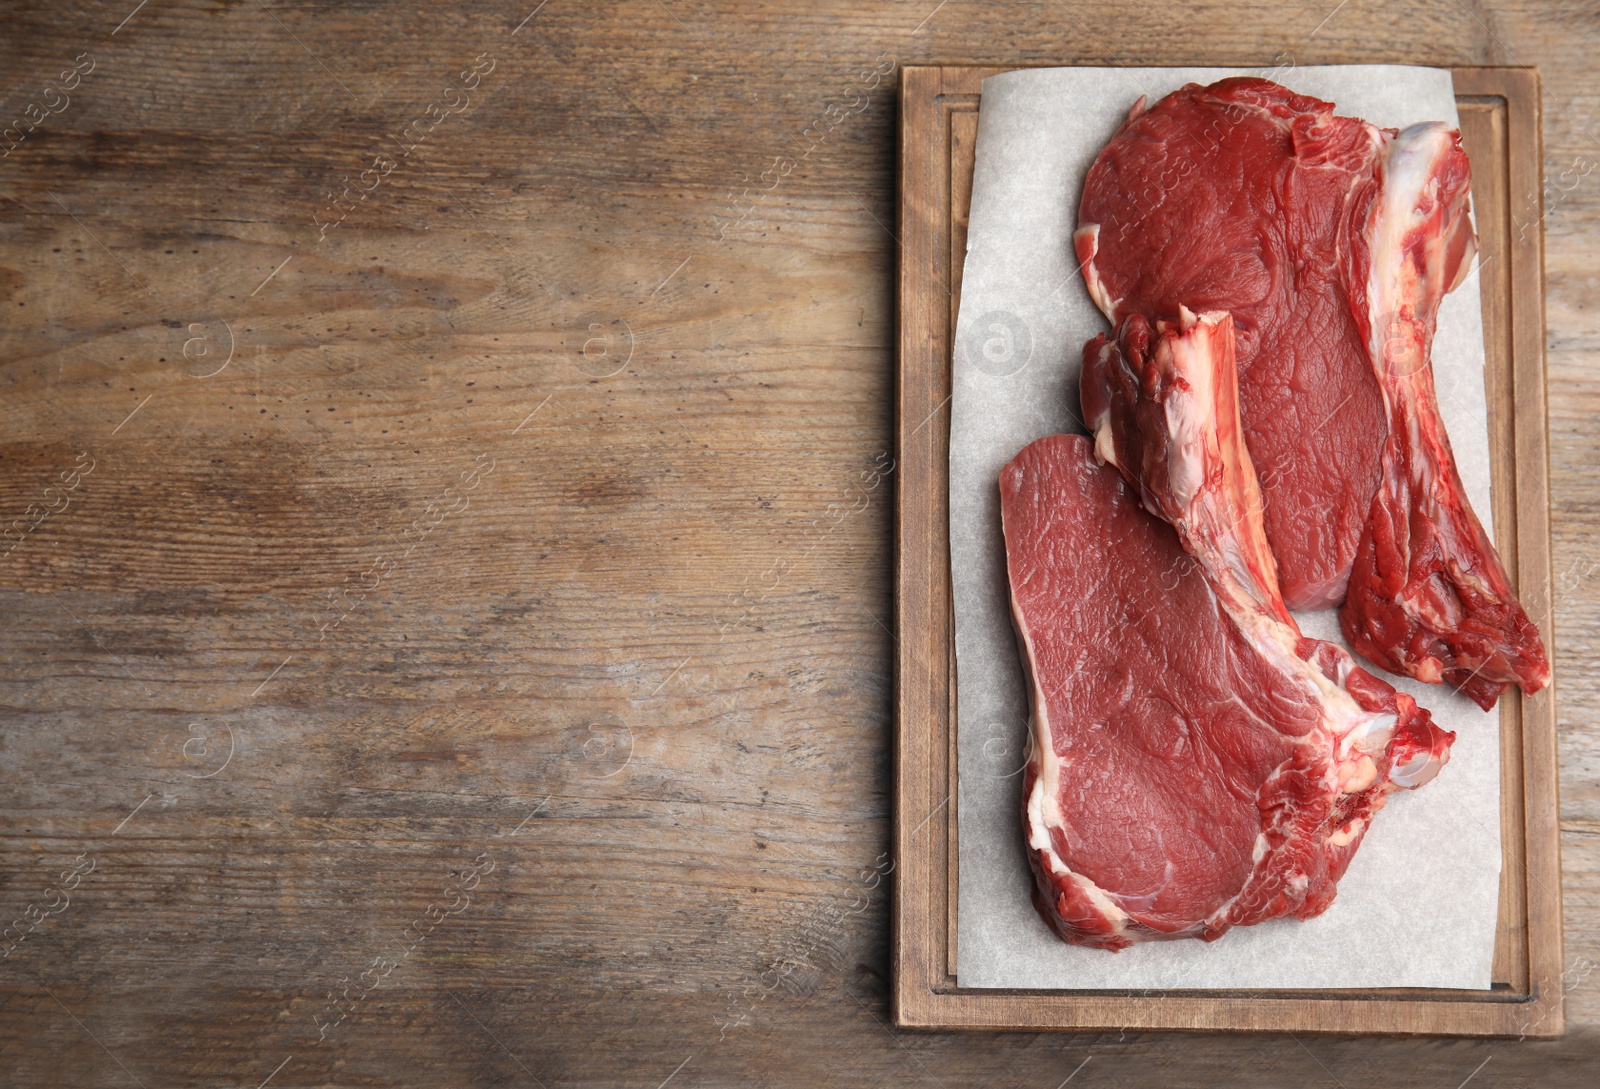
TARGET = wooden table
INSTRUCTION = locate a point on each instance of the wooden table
(445, 453)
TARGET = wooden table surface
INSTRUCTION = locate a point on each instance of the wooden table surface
(445, 461)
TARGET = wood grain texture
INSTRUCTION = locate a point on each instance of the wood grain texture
(653, 566)
(1499, 125)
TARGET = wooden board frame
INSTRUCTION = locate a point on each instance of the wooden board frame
(1501, 129)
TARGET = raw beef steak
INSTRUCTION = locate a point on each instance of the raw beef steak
(1197, 764)
(1428, 594)
(1331, 242)
(1242, 197)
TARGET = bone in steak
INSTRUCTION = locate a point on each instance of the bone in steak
(1197, 764)
(1331, 242)
(1428, 594)
(1242, 197)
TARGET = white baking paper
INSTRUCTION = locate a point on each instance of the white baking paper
(1417, 907)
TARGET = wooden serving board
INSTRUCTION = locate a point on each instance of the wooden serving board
(1499, 110)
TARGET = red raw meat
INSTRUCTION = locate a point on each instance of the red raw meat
(1428, 594)
(1242, 197)
(1331, 242)
(1197, 764)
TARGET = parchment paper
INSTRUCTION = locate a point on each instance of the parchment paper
(1417, 907)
